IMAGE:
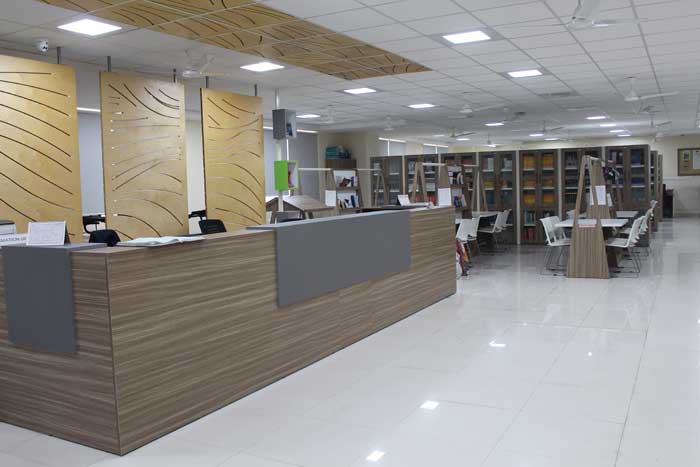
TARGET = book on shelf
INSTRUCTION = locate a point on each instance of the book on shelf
(7, 227)
(507, 164)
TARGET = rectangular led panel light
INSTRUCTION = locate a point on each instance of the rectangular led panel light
(308, 116)
(608, 125)
(466, 37)
(357, 91)
(617, 131)
(524, 73)
(421, 106)
(262, 67)
(495, 124)
(597, 117)
(89, 27)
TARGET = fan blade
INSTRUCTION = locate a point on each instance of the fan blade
(664, 123)
(604, 23)
(464, 134)
(555, 129)
(653, 96)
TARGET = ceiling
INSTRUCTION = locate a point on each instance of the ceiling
(589, 67)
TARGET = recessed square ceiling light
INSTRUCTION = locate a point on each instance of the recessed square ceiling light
(608, 125)
(495, 124)
(374, 456)
(597, 117)
(308, 116)
(360, 91)
(430, 405)
(466, 37)
(462, 139)
(524, 73)
(536, 135)
(551, 139)
(89, 27)
(617, 131)
(421, 106)
(262, 67)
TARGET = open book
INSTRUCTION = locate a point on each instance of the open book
(159, 241)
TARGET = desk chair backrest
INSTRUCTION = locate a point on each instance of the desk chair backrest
(645, 221)
(570, 213)
(633, 237)
(501, 219)
(559, 232)
(467, 229)
(110, 237)
(211, 226)
(548, 225)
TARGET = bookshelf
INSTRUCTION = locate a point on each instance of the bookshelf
(498, 171)
(394, 176)
(633, 162)
(430, 174)
(538, 192)
(571, 159)
(659, 213)
(461, 180)
(348, 190)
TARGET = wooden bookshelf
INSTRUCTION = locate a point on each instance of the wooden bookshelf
(538, 192)
(393, 167)
(461, 180)
(571, 159)
(498, 172)
(659, 213)
(633, 162)
(348, 189)
(430, 174)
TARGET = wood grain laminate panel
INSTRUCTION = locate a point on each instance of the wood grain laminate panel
(70, 396)
(39, 164)
(253, 28)
(234, 171)
(183, 347)
(143, 150)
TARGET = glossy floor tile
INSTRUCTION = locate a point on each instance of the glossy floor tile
(516, 369)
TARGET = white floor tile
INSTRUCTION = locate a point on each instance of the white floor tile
(653, 446)
(170, 451)
(11, 436)
(58, 453)
(8, 460)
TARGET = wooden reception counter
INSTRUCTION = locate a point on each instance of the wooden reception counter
(167, 335)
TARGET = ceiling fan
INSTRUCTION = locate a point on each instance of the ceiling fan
(329, 117)
(544, 130)
(455, 135)
(489, 143)
(197, 68)
(633, 96)
(586, 16)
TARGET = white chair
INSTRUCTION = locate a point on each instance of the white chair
(466, 232)
(570, 213)
(496, 228)
(629, 243)
(556, 241)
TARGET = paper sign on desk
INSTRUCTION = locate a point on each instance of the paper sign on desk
(404, 201)
(601, 195)
(46, 233)
(331, 198)
(696, 160)
(610, 203)
(444, 197)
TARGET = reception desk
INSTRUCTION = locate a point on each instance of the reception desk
(167, 335)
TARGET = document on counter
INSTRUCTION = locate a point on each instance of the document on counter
(159, 241)
(331, 198)
(46, 233)
(404, 200)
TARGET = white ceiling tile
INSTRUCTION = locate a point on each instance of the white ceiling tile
(449, 63)
(675, 9)
(515, 14)
(653, 26)
(570, 60)
(501, 57)
(472, 5)
(546, 40)
(688, 35)
(32, 14)
(600, 34)
(407, 10)
(353, 19)
(446, 24)
(513, 66)
(407, 45)
(619, 54)
(531, 28)
(389, 32)
(420, 55)
(617, 44)
(309, 9)
(8, 27)
(556, 51)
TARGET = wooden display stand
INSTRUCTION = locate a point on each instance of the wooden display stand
(571, 164)
(461, 180)
(588, 258)
(442, 182)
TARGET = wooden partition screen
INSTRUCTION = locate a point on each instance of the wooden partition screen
(143, 151)
(39, 165)
(234, 170)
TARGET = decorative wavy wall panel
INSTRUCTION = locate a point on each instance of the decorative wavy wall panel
(232, 127)
(39, 165)
(143, 151)
(253, 28)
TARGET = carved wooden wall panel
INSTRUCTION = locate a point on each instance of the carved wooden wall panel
(39, 165)
(255, 29)
(234, 171)
(143, 150)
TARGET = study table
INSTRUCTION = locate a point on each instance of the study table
(626, 214)
(166, 335)
(606, 223)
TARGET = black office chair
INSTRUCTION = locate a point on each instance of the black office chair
(110, 237)
(211, 226)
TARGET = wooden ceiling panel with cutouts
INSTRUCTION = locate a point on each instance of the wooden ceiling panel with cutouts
(252, 28)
